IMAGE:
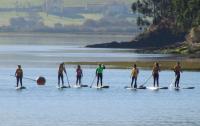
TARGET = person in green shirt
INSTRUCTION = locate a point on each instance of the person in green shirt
(99, 73)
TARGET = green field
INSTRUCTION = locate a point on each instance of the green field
(22, 3)
(73, 3)
(49, 20)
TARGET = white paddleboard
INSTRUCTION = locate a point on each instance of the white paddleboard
(80, 86)
(20, 88)
(132, 88)
(101, 87)
(76, 86)
(153, 88)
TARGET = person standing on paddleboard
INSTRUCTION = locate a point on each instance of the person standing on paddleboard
(79, 75)
(19, 75)
(60, 74)
(155, 74)
(134, 74)
(99, 74)
(177, 71)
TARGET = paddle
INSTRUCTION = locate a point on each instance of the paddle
(145, 82)
(67, 79)
(93, 81)
(40, 80)
(173, 81)
(25, 78)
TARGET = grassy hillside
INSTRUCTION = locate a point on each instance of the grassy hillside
(49, 20)
(24, 3)
(12, 3)
(72, 16)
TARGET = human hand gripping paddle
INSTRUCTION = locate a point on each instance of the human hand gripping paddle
(146, 81)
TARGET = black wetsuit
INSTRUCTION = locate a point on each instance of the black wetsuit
(99, 77)
(177, 74)
(60, 77)
(135, 84)
(19, 79)
(156, 79)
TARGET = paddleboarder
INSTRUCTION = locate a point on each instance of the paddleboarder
(134, 74)
(177, 71)
(155, 74)
(19, 75)
(79, 75)
(99, 74)
(61, 69)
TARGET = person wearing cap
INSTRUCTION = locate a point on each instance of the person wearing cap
(99, 74)
(19, 75)
(61, 69)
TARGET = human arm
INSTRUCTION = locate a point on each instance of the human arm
(64, 69)
(16, 73)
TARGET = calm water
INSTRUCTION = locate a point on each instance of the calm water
(115, 106)
(48, 106)
(49, 50)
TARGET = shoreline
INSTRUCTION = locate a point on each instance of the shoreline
(189, 65)
(66, 33)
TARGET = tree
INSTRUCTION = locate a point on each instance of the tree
(185, 13)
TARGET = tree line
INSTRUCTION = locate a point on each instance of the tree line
(185, 14)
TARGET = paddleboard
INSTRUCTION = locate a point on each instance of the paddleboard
(105, 86)
(20, 88)
(153, 88)
(63, 87)
(163, 88)
(80, 86)
(132, 88)
(178, 88)
(188, 88)
(156, 88)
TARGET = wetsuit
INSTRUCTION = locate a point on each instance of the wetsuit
(177, 70)
(79, 75)
(19, 76)
(60, 74)
(156, 70)
(99, 73)
(134, 75)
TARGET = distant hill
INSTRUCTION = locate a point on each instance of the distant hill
(72, 3)
(67, 16)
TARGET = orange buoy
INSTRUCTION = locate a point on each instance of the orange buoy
(41, 80)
